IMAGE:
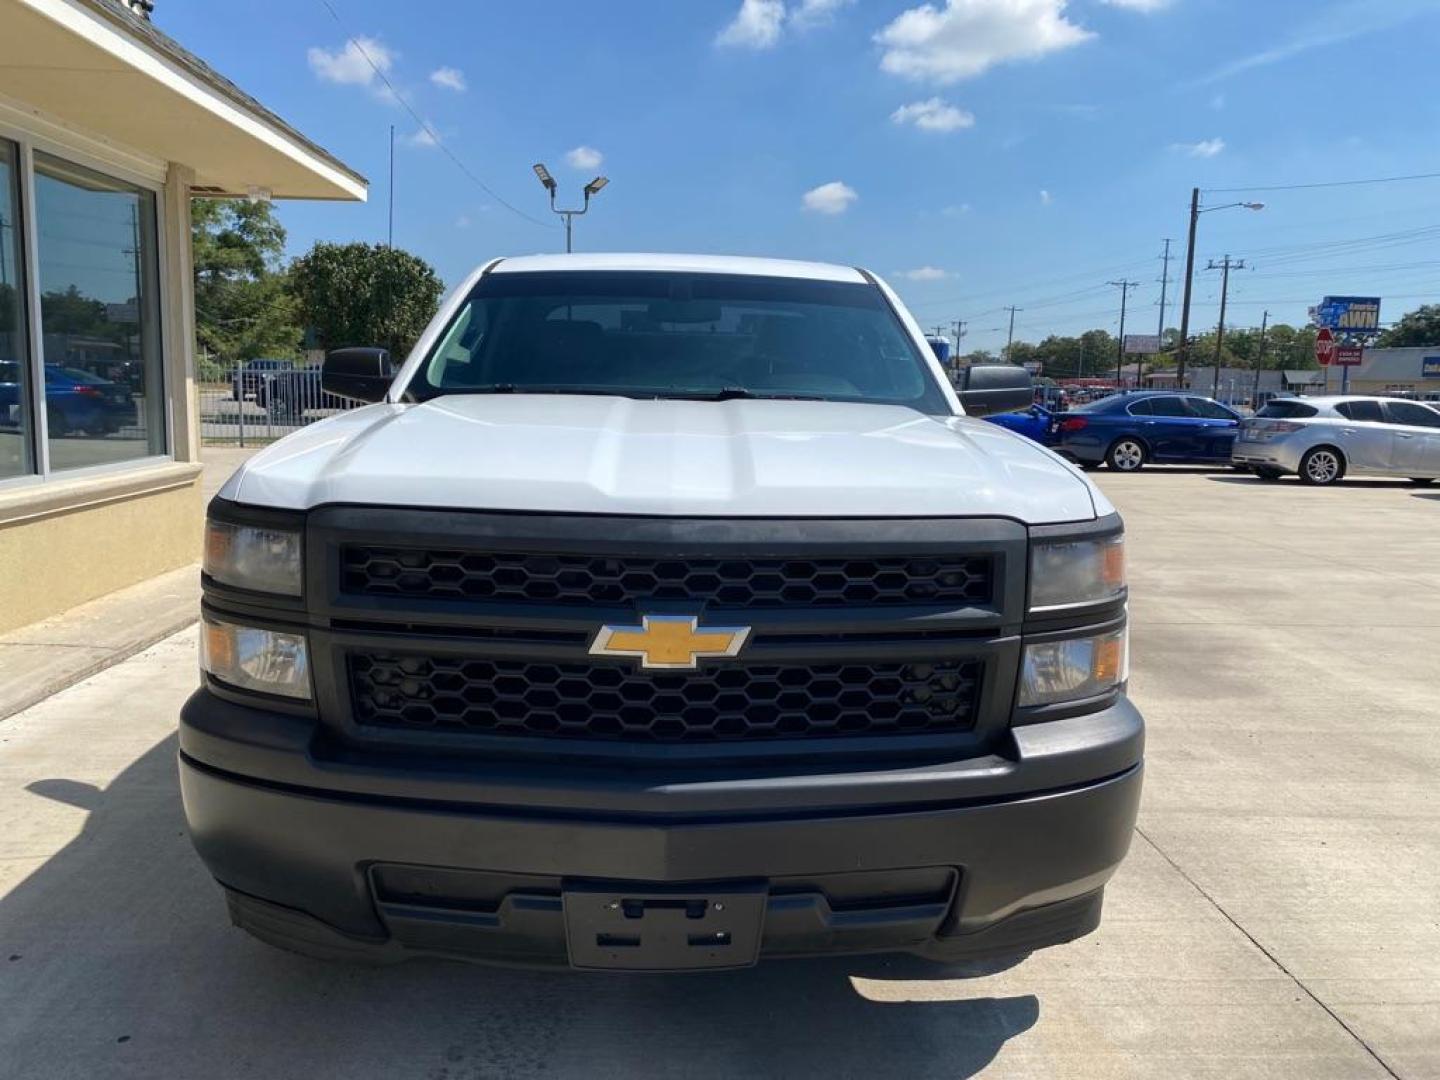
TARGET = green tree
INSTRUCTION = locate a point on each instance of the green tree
(1419, 327)
(365, 294)
(242, 306)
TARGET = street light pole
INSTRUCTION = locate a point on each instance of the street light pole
(1124, 287)
(1164, 285)
(1195, 212)
(592, 188)
(1185, 304)
(1259, 361)
(1010, 337)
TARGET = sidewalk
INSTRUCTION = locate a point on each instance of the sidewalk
(45, 657)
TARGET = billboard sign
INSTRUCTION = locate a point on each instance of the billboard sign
(1430, 367)
(1349, 355)
(1142, 344)
(1349, 314)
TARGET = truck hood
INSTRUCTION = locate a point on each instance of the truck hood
(616, 455)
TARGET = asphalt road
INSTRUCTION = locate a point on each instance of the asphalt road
(1279, 915)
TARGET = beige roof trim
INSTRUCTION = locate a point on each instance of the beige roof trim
(139, 47)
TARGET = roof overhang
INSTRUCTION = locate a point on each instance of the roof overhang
(91, 66)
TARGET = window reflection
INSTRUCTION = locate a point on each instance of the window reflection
(99, 316)
(15, 456)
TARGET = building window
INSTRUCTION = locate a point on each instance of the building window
(16, 457)
(99, 315)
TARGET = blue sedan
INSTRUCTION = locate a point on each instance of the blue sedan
(1128, 431)
(75, 401)
(1036, 422)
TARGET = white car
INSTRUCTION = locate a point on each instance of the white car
(663, 612)
(1322, 439)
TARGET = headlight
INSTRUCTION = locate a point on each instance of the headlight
(249, 658)
(253, 557)
(1055, 671)
(1074, 572)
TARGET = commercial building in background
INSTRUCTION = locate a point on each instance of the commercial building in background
(1409, 372)
(107, 130)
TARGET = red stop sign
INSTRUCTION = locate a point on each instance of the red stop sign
(1325, 347)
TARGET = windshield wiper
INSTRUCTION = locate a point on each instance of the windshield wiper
(725, 393)
(739, 393)
(518, 388)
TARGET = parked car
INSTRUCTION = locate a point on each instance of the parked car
(75, 401)
(251, 379)
(1322, 439)
(1036, 422)
(1129, 430)
(666, 645)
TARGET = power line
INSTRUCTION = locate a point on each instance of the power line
(1326, 184)
(430, 132)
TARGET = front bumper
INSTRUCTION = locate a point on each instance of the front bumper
(329, 853)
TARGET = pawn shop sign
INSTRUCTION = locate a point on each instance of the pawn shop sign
(1325, 347)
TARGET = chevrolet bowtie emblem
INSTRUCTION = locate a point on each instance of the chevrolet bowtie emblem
(669, 641)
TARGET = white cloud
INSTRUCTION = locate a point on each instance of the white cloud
(1217, 102)
(463, 221)
(425, 138)
(1146, 6)
(1046, 198)
(450, 78)
(1329, 25)
(1205, 148)
(832, 198)
(584, 158)
(810, 13)
(967, 37)
(956, 210)
(755, 26)
(924, 273)
(348, 65)
(933, 115)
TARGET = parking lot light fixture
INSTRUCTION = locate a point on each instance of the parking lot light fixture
(590, 189)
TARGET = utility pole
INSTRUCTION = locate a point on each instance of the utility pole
(1164, 283)
(1259, 362)
(1124, 287)
(959, 325)
(1185, 304)
(1010, 338)
(1225, 265)
(390, 225)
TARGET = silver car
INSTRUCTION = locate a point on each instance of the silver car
(1321, 439)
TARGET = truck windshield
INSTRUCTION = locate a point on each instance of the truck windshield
(699, 336)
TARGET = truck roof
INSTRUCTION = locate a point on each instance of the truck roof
(692, 264)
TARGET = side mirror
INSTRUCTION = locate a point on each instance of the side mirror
(994, 388)
(361, 374)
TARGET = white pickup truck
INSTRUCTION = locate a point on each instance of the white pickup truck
(662, 612)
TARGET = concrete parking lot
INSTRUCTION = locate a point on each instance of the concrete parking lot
(1279, 914)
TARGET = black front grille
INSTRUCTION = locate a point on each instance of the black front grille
(741, 583)
(720, 703)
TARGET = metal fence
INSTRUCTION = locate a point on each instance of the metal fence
(256, 406)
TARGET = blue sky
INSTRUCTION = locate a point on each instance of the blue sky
(977, 153)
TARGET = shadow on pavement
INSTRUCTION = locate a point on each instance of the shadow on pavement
(1292, 481)
(116, 959)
